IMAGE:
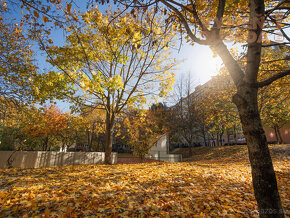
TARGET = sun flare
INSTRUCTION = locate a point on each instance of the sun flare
(205, 66)
(199, 60)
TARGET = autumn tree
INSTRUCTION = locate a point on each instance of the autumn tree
(21, 80)
(71, 132)
(184, 120)
(275, 112)
(275, 109)
(93, 123)
(9, 123)
(196, 20)
(159, 113)
(115, 61)
(45, 125)
(273, 100)
(142, 132)
(14, 118)
(16, 63)
(220, 113)
(209, 23)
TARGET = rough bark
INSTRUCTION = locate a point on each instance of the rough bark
(263, 175)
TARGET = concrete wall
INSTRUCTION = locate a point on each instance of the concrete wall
(160, 151)
(35, 159)
(162, 145)
(167, 157)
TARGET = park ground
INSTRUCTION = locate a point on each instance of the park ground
(213, 182)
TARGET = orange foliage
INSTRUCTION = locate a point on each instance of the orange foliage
(50, 122)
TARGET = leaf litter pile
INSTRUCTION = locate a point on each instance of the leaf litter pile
(215, 186)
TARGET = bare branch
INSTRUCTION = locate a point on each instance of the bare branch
(276, 44)
(184, 22)
(268, 12)
(273, 78)
(279, 27)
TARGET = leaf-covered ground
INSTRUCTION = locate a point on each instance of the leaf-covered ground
(134, 160)
(217, 186)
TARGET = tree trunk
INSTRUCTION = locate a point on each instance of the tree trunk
(204, 138)
(280, 137)
(45, 143)
(263, 175)
(221, 138)
(235, 135)
(208, 141)
(278, 134)
(228, 137)
(217, 139)
(109, 139)
(88, 137)
(63, 146)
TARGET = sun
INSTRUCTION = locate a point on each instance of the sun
(208, 65)
(199, 60)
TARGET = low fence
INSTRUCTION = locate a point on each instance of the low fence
(166, 157)
(35, 159)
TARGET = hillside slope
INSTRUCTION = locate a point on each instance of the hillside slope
(236, 153)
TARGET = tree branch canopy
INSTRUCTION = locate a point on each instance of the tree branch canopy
(273, 78)
(185, 23)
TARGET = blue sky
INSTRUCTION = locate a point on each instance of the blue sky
(197, 59)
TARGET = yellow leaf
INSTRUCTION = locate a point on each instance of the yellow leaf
(46, 212)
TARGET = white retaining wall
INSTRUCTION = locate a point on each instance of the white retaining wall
(166, 157)
(162, 145)
(160, 151)
(35, 159)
